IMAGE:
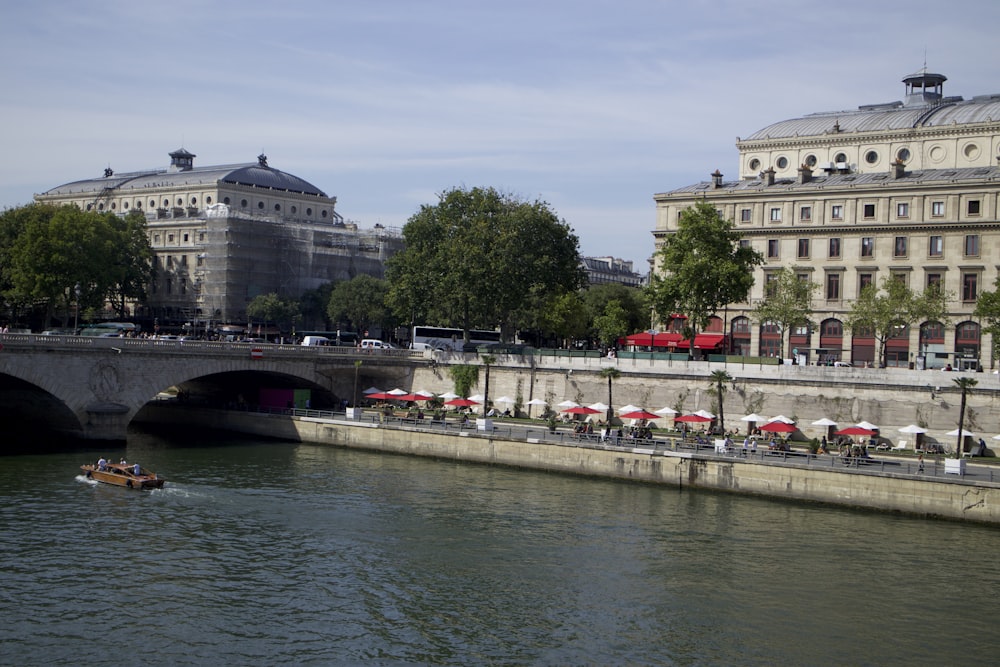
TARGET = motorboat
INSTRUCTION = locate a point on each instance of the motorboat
(121, 474)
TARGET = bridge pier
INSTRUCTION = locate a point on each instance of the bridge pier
(105, 421)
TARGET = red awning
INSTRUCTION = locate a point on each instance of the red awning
(708, 341)
(640, 339)
(667, 339)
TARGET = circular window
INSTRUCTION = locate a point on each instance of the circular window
(936, 153)
(113, 206)
(971, 151)
(180, 202)
(138, 204)
(260, 205)
(754, 164)
(194, 200)
(323, 214)
(782, 163)
(124, 206)
(871, 157)
(166, 203)
(152, 203)
(841, 157)
(903, 154)
(90, 206)
(277, 207)
(100, 207)
(309, 211)
(295, 209)
(208, 200)
(243, 203)
(810, 160)
(226, 201)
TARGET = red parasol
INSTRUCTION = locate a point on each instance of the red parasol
(854, 430)
(461, 402)
(778, 427)
(692, 418)
(581, 410)
(382, 396)
(639, 414)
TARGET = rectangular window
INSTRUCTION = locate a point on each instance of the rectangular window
(806, 213)
(744, 215)
(972, 245)
(832, 286)
(903, 278)
(775, 215)
(864, 280)
(201, 237)
(869, 211)
(185, 237)
(170, 261)
(899, 247)
(744, 243)
(772, 248)
(868, 246)
(184, 260)
(803, 248)
(934, 280)
(170, 238)
(837, 212)
(970, 283)
(935, 247)
(201, 260)
(902, 210)
(770, 284)
(834, 252)
(937, 209)
(973, 207)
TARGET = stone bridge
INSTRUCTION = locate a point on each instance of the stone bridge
(91, 388)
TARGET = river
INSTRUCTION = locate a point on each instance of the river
(264, 553)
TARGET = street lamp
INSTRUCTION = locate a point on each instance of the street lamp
(76, 315)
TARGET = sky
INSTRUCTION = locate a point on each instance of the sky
(592, 106)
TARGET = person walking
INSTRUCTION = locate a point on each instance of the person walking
(920, 463)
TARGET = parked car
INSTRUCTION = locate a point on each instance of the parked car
(375, 344)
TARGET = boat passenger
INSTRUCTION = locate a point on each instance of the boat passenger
(123, 461)
(136, 470)
(102, 463)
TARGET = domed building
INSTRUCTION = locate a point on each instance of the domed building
(222, 235)
(907, 189)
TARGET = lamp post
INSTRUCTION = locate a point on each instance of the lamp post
(76, 314)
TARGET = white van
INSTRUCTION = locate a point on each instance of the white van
(315, 340)
(375, 344)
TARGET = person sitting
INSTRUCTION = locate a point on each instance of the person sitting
(102, 463)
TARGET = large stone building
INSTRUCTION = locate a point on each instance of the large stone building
(907, 189)
(604, 270)
(222, 235)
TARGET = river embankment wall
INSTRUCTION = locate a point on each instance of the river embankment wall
(952, 499)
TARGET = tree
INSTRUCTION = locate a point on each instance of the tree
(632, 299)
(611, 373)
(703, 267)
(719, 379)
(988, 311)
(787, 301)
(965, 384)
(49, 250)
(312, 306)
(562, 315)
(272, 308)
(888, 310)
(473, 259)
(362, 301)
(612, 324)
(488, 360)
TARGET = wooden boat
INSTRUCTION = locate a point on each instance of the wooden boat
(123, 475)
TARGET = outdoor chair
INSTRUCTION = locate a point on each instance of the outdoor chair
(900, 447)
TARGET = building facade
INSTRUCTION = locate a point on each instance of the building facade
(907, 189)
(604, 270)
(222, 235)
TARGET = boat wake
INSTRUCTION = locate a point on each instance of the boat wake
(85, 480)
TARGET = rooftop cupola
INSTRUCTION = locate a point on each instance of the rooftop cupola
(716, 179)
(181, 160)
(924, 88)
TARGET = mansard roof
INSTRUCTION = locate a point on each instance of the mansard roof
(834, 180)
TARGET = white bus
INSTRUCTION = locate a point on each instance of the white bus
(443, 338)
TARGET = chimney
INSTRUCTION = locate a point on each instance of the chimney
(805, 174)
(898, 169)
(768, 176)
(716, 179)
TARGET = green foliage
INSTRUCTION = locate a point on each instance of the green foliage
(465, 377)
(45, 251)
(477, 256)
(272, 308)
(612, 324)
(988, 311)
(312, 306)
(632, 300)
(787, 301)
(703, 267)
(362, 301)
(890, 309)
(563, 315)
